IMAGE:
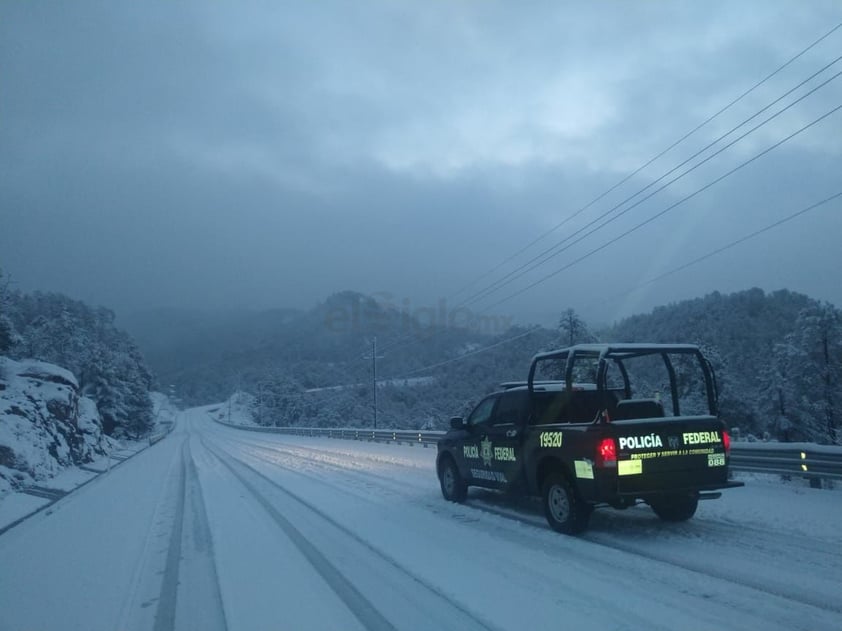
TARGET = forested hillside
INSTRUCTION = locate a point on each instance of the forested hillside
(328, 345)
(105, 361)
(778, 357)
(278, 355)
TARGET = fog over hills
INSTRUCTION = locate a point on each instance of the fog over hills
(764, 346)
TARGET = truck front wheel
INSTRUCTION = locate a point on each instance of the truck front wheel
(675, 507)
(564, 510)
(453, 487)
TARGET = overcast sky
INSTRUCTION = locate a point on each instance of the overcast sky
(267, 154)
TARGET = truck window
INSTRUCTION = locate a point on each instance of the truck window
(581, 406)
(512, 408)
(482, 412)
(548, 408)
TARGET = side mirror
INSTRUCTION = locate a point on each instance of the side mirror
(457, 422)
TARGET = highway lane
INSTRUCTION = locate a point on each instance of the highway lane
(215, 528)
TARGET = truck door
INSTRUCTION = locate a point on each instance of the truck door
(475, 448)
(495, 429)
(504, 438)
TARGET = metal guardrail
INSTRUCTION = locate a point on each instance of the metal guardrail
(799, 459)
(412, 437)
(154, 438)
(807, 460)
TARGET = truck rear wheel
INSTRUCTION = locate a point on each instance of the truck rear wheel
(565, 511)
(453, 487)
(675, 507)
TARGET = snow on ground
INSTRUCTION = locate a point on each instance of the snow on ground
(82, 561)
(787, 506)
(391, 505)
(406, 382)
(236, 410)
(163, 411)
(218, 528)
(17, 504)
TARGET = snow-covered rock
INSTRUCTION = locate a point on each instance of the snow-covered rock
(45, 425)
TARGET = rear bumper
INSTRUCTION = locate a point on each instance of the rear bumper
(696, 488)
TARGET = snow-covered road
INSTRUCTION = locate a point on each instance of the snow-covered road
(215, 528)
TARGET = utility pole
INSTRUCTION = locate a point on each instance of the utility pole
(374, 358)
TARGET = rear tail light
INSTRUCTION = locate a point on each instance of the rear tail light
(726, 442)
(606, 453)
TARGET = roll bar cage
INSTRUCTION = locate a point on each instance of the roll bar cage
(618, 354)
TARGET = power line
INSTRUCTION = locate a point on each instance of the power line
(732, 244)
(434, 332)
(302, 395)
(653, 159)
(556, 249)
(471, 354)
(667, 209)
(502, 282)
(695, 261)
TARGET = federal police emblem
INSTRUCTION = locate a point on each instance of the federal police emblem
(485, 451)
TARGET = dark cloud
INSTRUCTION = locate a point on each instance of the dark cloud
(267, 154)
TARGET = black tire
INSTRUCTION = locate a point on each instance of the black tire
(675, 507)
(565, 511)
(453, 487)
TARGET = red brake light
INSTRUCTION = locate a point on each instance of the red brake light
(606, 453)
(726, 441)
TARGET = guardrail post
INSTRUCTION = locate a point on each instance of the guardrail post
(815, 482)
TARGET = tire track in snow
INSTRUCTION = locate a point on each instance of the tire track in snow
(749, 536)
(449, 510)
(366, 612)
(366, 478)
(791, 592)
(165, 612)
(517, 512)
(199, 595)
(139, 595)
(196, 601)
(359, 605)
(331, 459)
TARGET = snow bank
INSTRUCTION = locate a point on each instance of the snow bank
(45, 425)
(163, 411)
(237, 410)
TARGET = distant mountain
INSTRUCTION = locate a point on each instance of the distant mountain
(778, 359)
(158, 331)
(208, 356)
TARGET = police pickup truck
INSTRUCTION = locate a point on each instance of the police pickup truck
(616, 425)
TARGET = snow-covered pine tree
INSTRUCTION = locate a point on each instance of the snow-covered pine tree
(6, 328)
(809, 375)
(573, 330)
